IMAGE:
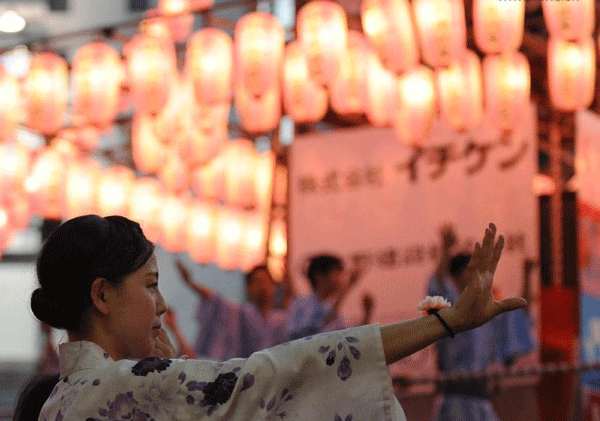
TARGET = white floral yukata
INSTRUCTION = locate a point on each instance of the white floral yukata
(336, 376)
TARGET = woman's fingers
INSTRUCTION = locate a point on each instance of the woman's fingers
(497, 253)
(509, 304)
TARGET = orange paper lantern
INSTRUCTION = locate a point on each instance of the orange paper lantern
(278, 237)
(498, 25)
(507, 85)
(174, 174)
(303, 99)
(179, 17)
(254, 241)
(208, 182)
(239, 156)
(570, 20)
(45, 183)
(148, 153)
(15, 161)
(114, 190)
(201, 232)
(10, 106)
(442, 30)
(97, 76)
(264, 163)
(416, 109)
(382, 93)
(145, 202)
(258, 44)
(151, 68)
(322, 30)
(209, 65)
(81, 186)
(230, 236)
(46, 92)
(460, 90)
(571, 73)
(258, 114)
(389, 27)
(173, 223)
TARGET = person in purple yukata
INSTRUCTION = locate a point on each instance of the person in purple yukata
(319, 311)
(231, 330)
(500, 341)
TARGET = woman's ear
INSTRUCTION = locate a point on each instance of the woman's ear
(99, 293)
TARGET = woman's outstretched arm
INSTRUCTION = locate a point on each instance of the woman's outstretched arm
(474, 307)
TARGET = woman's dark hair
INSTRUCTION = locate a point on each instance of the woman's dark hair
(254, 270)
(322, 264)
(33, 396)
(77, 252)
(459, 263)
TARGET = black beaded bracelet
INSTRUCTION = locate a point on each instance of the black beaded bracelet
(434, 311)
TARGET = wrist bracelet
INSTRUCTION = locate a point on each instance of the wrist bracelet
(434, 311)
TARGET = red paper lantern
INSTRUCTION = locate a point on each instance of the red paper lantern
(174, 173)
(258, 43)
(179, 17)
(303, 99)
(322, 30)
(389, 27)
(114, 190)
(258, 114)
(571, 73)
(203, 137)
(278, 237)
(348, 90)
(254, 241)
(382, 93)
(263, 179)
(145, 201)
(239, 156)
(442, 30)
(97, 76)
(209, 66)
(230, 236)
(201, 232)
(173, 221)
(460, 89)
(416, 110)
(570, 20)
(45, 183)
(10, 106)
(15, 161)
(498, 25)
(81, 187)
(148, 153)
(208, 182)
(46, 92)
(507, 87)
(151, 69)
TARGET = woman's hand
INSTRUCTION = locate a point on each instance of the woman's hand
(163, 347)
(476, 304)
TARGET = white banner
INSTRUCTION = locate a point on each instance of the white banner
(361, 194)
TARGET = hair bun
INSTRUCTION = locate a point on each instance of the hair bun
(47, 308)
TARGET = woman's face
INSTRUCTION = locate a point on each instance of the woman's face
(136, 311)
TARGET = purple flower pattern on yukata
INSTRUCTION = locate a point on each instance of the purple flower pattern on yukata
(338, 418)
(342, 348)
(150, 365)
(123, 407)
(273, 406)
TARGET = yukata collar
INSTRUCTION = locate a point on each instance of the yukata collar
(82, 355)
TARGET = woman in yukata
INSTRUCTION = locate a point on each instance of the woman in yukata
(99, 281)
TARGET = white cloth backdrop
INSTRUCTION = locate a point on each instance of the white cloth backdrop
(359, 192)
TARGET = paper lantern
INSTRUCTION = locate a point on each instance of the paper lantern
(348, 90)
(10, 106)
(200, 142)
(19, 211)
(264, 163)
(6, 231)
(84, 137)
(148, 153)
(254, 241)
(303, 99)
(442, 30)
(97, 75)
(156, 27)
(322, 30)
(507, 87)
(145, 202)
(498, 25)
(571, 73)
(280, 190)
(460, 90)
(239, 156)
(114, 189)
(45, 184)
(416, 110)
(173, 223)
(179, 17)
(229, 240)
(382, 93)
(46, 92)
(389, 27)
(569, 20)
(167, 124)
(208, 182)
(151, 68)
(278, 237)
(81, 186)
(258, 44)
(258, 114)
(209, 66)
(15, 161)
(201, 232)
(174, 173)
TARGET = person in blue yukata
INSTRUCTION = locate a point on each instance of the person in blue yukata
(501, 340)
(319, 311)
(231, 330)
